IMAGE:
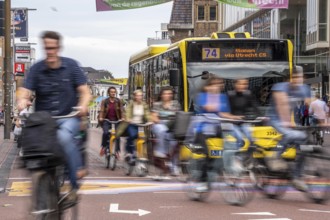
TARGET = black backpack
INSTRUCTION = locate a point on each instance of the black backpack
(39, 139)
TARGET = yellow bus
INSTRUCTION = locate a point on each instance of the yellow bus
(181, 65)
(221, 35)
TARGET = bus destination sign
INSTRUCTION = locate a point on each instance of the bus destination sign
(237, 54)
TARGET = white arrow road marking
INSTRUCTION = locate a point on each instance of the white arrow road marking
(114, 207)
(253, 213)
(311, 210)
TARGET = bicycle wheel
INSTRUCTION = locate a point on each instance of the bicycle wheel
(270, 186)
(184, 172)
(70, 213)
(236, 188)
(44, 196)
(112, 161)
(141, 168)
(107, 161)
(128, 168)
(316, 175)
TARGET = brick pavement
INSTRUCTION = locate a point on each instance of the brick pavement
(8, 152)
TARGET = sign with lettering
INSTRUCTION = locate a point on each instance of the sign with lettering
(22, 53)
(237, 54)
(19, 67)
(261, 4)
(112, 5)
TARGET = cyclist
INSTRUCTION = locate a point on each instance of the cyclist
(111, 109)
(59, 84)
(210, 100)
(137, 112)
(163, 114)
(285, 96)
(242, 105)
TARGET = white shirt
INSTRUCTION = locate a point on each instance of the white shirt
(318, 109)
(138, 113)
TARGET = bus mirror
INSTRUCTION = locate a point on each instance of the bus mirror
(205, 75)
(175, 77)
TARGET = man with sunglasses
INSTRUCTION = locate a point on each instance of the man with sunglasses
(59, 84)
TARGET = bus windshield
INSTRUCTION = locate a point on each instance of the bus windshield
(262, 76)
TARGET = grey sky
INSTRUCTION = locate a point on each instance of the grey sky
(102, 40)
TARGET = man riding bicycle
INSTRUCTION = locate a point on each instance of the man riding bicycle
(59, 84)
(111, 109)
(285, 97)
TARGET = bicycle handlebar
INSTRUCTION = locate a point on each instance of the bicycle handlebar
(75, 112)
(112, 122)
(257, 120)
(144, 124)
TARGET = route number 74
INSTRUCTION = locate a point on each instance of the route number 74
(211, 53)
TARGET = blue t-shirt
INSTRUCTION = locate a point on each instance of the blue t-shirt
(202, 99)
(296, 96)
(56, 89)
(223, 106)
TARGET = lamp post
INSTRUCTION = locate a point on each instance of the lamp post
(8, 71)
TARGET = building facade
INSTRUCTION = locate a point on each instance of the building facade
(193, 18)
(305, 23)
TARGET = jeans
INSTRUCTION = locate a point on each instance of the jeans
(132, 131)
(67, 131)
(106, 135)
(165, 141)
(294, 137)
(239, 132)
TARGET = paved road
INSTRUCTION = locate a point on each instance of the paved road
(107, 194)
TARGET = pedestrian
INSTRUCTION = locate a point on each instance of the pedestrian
(111, 109)
(318, 111)
(59, 85)
(304, 111)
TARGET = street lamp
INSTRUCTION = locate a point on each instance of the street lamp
(8, 71)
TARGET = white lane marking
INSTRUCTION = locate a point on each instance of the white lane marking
(169, 192)
(312, 210)
(170, 207)
(114, 207)
(271, 219)
(253, 213)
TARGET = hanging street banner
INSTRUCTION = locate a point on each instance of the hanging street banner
(259, 4)
(118, 81)
(19, 22)
(113, 5)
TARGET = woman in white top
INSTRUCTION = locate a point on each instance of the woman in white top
(137, 112)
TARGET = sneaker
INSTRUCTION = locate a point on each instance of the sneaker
(159, 154)
(81, 173)
(202, 187)
(102, 151)
(175, 171)
(69, 199)
(299, 185)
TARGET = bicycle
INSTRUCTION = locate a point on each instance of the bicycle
(46, 182)
(274, 184)
(111, 156)
(235, 186)
(140, 163)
